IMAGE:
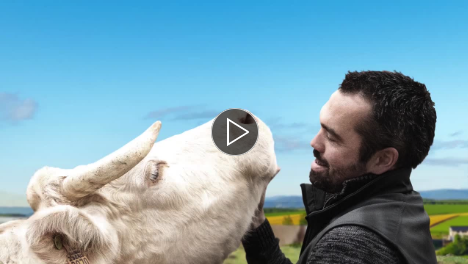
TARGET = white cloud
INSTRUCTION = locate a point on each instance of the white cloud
(13, 109)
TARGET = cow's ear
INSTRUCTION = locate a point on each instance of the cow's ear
(54, 233)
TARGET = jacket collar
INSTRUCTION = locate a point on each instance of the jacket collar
(394, 181)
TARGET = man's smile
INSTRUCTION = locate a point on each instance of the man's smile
(318, 166)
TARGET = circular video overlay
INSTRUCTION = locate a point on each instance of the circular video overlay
(234, 131)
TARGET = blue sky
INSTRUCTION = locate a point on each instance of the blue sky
(79, 79)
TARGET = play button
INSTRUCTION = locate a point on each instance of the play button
(234, 131)
(229, 122)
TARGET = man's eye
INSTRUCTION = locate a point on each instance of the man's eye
(330, 138)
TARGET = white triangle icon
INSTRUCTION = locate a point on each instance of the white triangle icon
(239, 137)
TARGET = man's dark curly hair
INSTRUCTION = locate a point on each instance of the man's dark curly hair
(403, 115)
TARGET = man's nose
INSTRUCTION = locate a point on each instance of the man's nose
(316, 144)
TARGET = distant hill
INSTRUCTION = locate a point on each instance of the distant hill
(445, 194)
(13, 200)
(284, 202)
(16, 211)
(296, 201)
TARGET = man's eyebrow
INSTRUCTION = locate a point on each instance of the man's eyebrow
(332, 131)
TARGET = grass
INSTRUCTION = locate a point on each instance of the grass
(292, 252)
(440, 209)
(442, 229)
(452, 260)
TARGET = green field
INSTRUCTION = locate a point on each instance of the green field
(431, 209)
(238, 257)
(12, 215)
(439, 209)
(442, 229)
(452, 260)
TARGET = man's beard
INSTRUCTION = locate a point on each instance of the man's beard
(332, 178)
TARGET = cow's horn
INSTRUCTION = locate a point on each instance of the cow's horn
(84, 180)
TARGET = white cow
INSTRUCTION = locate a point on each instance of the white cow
(179, 201)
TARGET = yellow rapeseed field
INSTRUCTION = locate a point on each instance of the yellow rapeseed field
(278, 220)
(436, 219)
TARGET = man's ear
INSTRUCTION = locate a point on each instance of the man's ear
(383, 161)
(51, 234)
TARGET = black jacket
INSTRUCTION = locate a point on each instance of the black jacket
(385, 204)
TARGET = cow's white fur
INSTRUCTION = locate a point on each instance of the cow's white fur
(196, 212)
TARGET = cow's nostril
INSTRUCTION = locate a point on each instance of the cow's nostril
(248, 119)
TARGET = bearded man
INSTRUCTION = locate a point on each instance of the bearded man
(360, 205)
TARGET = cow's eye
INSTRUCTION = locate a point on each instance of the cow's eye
(58, 241)
(154, 175)
(154, 170)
